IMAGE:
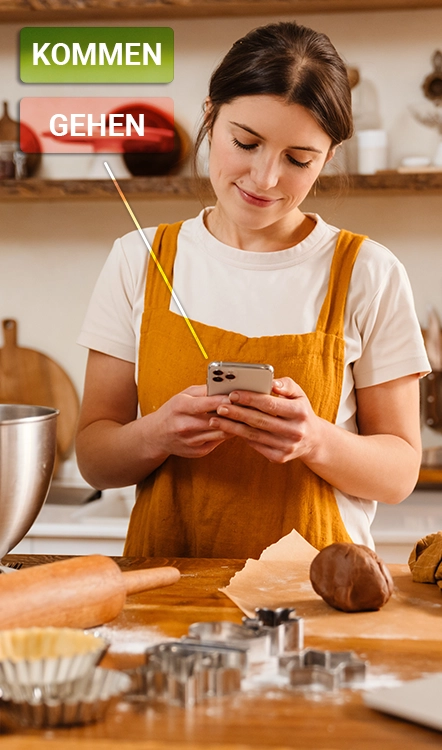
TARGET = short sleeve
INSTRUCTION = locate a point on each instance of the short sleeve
(113, 314)
(392, 345)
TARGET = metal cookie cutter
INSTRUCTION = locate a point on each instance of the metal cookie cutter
(286, 631)
(256, 643)
(329, 670)
(185, 672)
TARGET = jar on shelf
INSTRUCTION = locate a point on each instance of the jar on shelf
(7, 165)
(372, 151)
(13, 161)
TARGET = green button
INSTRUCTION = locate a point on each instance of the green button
(96, 55)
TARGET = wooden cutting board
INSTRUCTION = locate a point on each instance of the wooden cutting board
(29, 377)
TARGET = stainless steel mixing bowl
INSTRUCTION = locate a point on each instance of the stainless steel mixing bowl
(27, 456)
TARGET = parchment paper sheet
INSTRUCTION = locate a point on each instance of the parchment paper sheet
(273, 580)
(280, 578)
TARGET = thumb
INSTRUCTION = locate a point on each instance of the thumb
(287, 387)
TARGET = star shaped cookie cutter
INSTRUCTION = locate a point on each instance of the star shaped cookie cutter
(285, 629)
(329, 670)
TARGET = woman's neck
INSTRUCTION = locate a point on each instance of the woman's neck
(280, 236)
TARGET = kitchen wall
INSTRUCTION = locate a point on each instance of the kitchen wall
(51, 253)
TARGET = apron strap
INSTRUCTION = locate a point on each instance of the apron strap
(164, 248)
(331, 317)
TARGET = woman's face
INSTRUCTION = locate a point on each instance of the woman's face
(265, 156)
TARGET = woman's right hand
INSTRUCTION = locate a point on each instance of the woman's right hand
(181, 425)
(115, 448)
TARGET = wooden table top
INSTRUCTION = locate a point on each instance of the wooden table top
(262, 718)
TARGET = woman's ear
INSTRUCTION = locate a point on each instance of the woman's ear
(331, 153)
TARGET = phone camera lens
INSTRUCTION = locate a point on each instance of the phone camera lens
(217, 380)
(218, 372)
(230, 376)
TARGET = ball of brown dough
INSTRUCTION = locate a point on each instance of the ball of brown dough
(351, 577)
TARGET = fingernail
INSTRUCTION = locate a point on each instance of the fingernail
(234, 396)
(278, 383)
(213, 423)
(222, 410)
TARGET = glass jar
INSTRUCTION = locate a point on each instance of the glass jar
(7, 163)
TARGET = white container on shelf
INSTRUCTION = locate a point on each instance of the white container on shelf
(437, 161)
(372, 151)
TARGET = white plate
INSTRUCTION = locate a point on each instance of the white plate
(417, 700)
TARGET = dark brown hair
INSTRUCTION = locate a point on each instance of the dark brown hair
(290, 61)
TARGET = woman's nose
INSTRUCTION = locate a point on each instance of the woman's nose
(265, 172)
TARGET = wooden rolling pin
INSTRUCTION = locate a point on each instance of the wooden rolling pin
(80, 592)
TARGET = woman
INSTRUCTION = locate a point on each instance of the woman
(262, 282)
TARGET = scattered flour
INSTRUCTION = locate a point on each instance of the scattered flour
(130, 640)
(265, 677)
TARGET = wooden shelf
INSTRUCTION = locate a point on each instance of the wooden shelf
(163, 188)
(388, 182)
(179, 187)
(42, 11)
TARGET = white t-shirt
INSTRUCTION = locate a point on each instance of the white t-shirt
(263, 294)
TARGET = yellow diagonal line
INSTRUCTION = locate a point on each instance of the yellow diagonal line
(156, 261)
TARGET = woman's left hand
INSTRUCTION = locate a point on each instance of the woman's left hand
(280, 427)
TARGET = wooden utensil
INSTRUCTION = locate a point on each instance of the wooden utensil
(29, 377)
(80, 592)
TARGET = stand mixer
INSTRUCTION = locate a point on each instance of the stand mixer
(27, 457)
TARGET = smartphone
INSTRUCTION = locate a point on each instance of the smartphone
(225, 377)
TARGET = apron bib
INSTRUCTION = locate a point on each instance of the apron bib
(233, 502)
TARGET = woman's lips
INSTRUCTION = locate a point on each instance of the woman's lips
(255, 200)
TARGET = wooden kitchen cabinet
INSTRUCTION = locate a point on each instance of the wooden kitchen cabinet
(64, 10)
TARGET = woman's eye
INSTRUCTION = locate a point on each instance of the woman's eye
(251, 146)
(297, 163)
(245, 146)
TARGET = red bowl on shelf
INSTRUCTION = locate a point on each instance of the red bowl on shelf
(142, 160)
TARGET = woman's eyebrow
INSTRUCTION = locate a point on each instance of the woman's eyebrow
(257, 135)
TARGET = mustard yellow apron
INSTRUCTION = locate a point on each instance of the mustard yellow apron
(233, 502)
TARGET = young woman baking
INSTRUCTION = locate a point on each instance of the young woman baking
(261, 282)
